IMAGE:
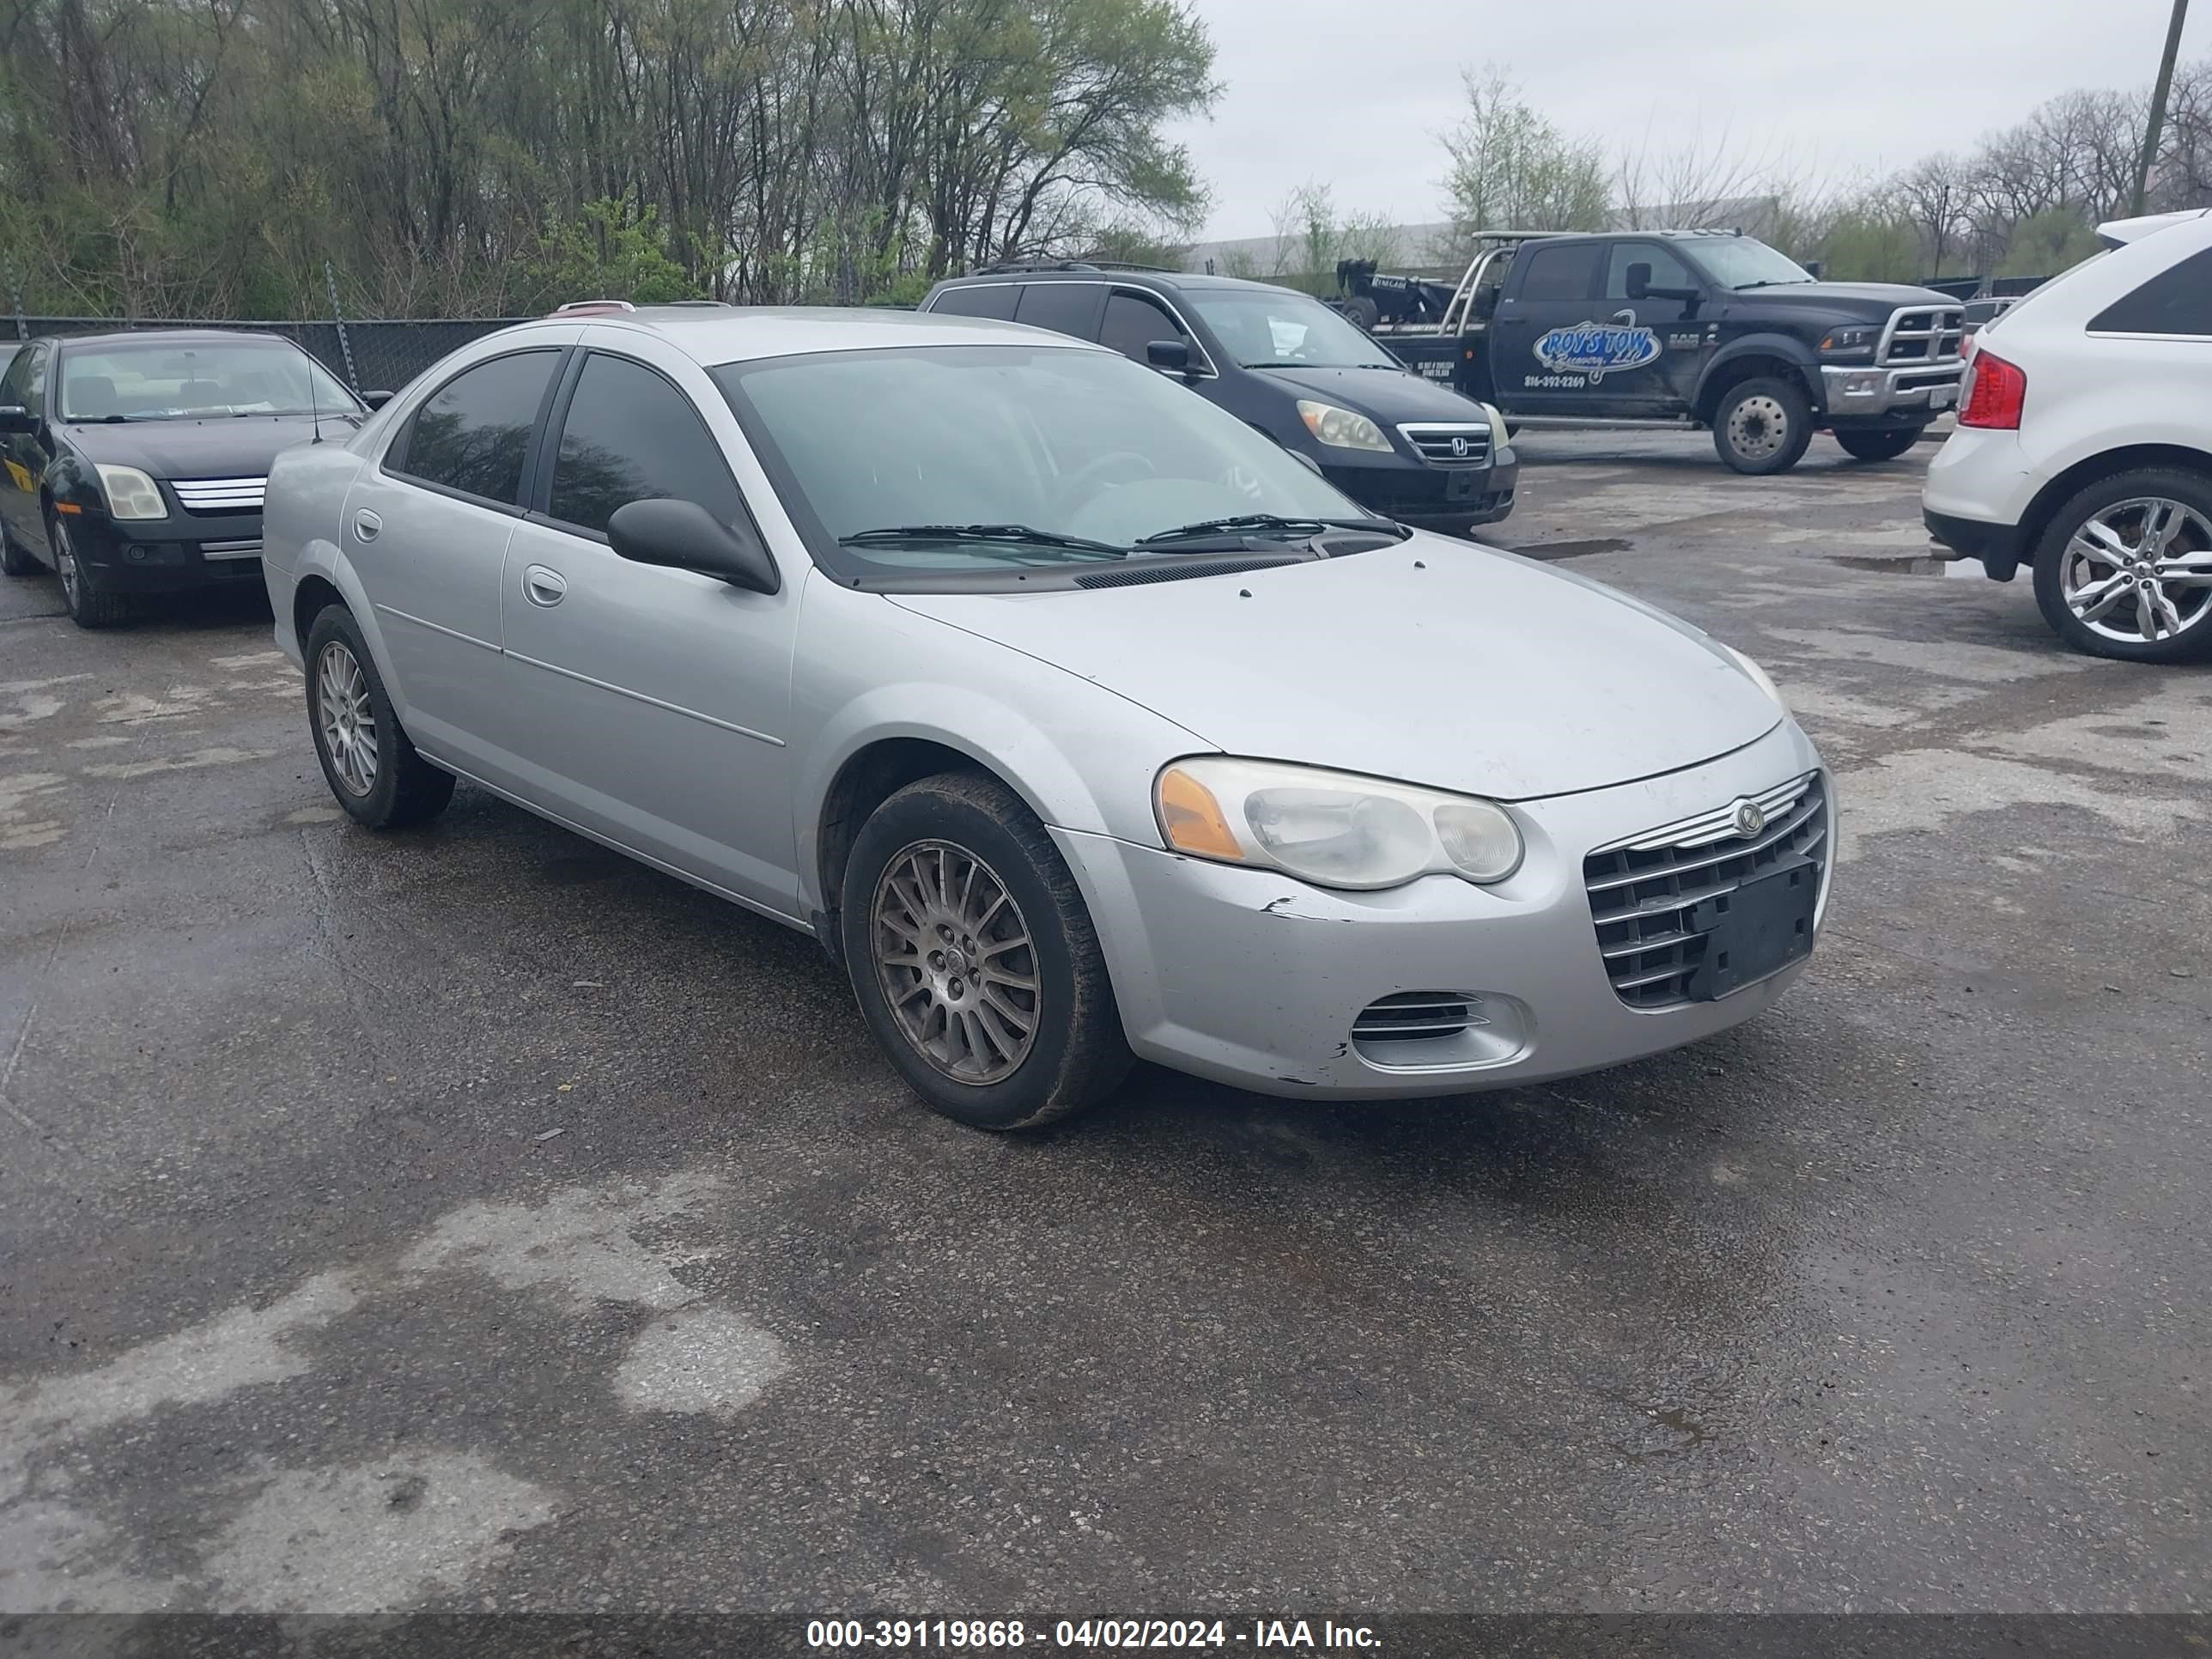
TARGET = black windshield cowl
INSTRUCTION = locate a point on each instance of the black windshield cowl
(1266, 526)
(1016, 534)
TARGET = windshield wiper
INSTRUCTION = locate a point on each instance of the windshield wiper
(1271, 525)
(1773, 281)
(1020, 534)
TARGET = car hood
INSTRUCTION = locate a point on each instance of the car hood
(1432, 661)
(1872, 301)
(1386, 396)
(239, 447)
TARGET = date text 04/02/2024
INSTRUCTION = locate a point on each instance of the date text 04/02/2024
(1285, 1636)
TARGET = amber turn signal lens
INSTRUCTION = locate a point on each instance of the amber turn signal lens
(1192, 820)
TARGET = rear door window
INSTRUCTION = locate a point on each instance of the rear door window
(2177, 301)
(632, 436)
(1064, 308)
(984, 300)
(472, 434)
(1564, 272)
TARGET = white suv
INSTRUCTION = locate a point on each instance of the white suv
(2084, 445)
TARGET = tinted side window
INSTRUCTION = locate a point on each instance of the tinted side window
(1667, 272)
(984, 300)
(1561, 273)
(2177, 301)
(1067, 308)
(473, 432)
(15, 384)
(1133, 322)
(630, 436)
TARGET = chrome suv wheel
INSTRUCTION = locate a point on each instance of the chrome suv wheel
(2125, 568)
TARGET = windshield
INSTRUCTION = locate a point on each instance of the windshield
(207, 379)
(1049, 455)
(1278, 329)
(1740, 262)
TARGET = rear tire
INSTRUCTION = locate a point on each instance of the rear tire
(370, 765)
(2074, 566)
(944, 878)
(89, 606)
(1763, 425)
(1362, 310)
(1885, 446)
(16, 559)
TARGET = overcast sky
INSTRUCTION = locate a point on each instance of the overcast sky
(1352, 93)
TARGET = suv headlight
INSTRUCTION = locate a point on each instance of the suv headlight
(1854, 342)
(1339, 428)
(1759, 677)
(1332, 828)
(131, 492)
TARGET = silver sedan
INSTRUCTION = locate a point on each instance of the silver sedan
(1076, 719)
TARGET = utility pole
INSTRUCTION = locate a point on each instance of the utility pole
(2158, 92)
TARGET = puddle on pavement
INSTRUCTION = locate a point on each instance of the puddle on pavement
(1924, 567)
(1575, 549)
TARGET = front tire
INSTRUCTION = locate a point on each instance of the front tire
(1885, 446)
(88, 605)
(974, 958)
(2124, 568)
(1763, 425)
(368, 761)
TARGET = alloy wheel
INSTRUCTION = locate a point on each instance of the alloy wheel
(347, 719)
(954, 956)
(2139, 571)
(65, 564)
(1758, 427)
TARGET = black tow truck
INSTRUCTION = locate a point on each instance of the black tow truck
(1672, 329)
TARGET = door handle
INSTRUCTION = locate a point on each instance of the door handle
(542, 586)
(366, 524)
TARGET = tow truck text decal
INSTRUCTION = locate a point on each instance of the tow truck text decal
(1596, 349)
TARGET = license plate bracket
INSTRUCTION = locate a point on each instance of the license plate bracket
(1755, 931)
(1942, 397)
(1461, 486)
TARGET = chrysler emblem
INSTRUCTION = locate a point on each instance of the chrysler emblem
(1750, 817)
(1459, 448)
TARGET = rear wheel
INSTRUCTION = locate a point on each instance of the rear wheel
(2124, 568)
(1763, 425)
(368, 761)
(974, 959)
(88, 605)
(16, 559)
(1885, 446)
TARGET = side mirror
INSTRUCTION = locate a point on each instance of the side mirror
(376, 399)
(13, 417)
(684, 536)
(1639, 281)
(1173, 356)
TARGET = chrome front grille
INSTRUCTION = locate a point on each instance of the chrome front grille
(218, 494)
(1414, 1017)
(1450, 443)
(238, 550)
(1923, 334)
(1642, 890)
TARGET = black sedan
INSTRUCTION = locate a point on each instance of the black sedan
(134, 463)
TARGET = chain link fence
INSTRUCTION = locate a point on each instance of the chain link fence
(380, 356)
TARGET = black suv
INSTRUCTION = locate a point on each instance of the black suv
(1282, 362)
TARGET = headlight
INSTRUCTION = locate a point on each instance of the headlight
(1340, 429)
(131, 492)
(1759, 677)
(1332, 828)
(1499, 436)
(1851, 342)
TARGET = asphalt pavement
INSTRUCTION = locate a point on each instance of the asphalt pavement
(472, 1218)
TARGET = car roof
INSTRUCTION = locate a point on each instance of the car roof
(1175, 281)
(731, 334)
(167, 337)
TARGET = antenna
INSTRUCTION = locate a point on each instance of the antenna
(314, 408)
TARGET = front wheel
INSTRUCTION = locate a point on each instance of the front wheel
(1763, 425)
(88, 604)
(1883, 445)
(367, 760)
(974, 959)
(2124, 568)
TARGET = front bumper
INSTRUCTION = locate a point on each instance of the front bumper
(1255, 979)
(1912, 395)
(174, 554)
(1446, 498)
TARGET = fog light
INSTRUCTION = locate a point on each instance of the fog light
(1861, 385)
